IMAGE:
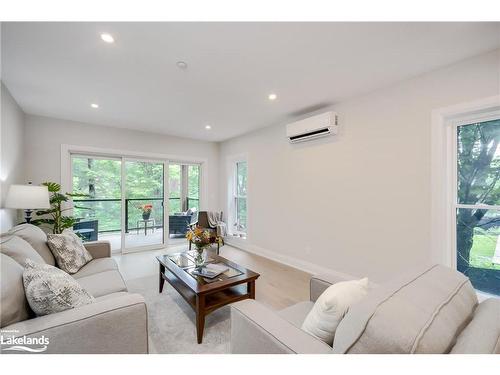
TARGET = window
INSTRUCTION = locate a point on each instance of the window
(240, 199)
(477, 203)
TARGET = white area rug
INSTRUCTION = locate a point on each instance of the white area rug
(172, 321)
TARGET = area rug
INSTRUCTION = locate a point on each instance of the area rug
(172, 321)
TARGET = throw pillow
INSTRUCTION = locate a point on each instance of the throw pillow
(18, 249)
(69, 251)
(13, 304)
(37, 238)
(50, 290)
(331, 306)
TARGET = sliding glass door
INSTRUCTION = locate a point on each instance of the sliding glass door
(125, 203)
(143, 203)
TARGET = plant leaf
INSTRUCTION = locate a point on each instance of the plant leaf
(46, 212)
(58, 198)
(53, 187)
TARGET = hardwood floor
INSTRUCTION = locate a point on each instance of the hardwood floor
(278, 286)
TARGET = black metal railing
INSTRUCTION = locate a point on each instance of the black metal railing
(130, 216)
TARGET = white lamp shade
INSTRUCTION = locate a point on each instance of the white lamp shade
(27, 197)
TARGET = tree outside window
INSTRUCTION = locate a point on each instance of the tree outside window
(478, 203)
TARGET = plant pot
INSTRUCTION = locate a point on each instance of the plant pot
(146, 215)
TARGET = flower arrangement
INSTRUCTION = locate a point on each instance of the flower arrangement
(146, 208)
(201, 238)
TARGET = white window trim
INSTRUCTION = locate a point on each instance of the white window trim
(230, 198)
(443, 171)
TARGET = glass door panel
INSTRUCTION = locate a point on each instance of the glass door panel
(143, 203)
(184, 198)
(174, 182)
(193, 188)
(99, 214)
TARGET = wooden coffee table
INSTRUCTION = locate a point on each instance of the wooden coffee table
(202, 294)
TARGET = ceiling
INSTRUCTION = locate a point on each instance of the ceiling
(59, 69)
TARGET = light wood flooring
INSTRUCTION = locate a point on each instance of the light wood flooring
(278, 286)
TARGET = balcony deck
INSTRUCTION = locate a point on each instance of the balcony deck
(136, 239)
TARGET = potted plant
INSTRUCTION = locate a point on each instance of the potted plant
(54, 216)
(146, 210)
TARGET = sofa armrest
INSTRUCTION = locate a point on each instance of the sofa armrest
(98, 249)
(319, 283)
(255, 329)
(114, 325)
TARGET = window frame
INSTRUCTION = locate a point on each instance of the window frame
(455, 124)
(445, 122)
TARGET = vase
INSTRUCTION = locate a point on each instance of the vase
(199, 259)
(146, 215)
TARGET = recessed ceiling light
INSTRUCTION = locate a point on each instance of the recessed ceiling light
(272, 96)
(94, 105)
(108, 38)
(208, 127)
(181, 65)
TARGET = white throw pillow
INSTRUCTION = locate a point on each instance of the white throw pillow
(69, 251)
(331, 306)
(50, 290)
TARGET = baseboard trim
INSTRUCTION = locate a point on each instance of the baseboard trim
(299, 264)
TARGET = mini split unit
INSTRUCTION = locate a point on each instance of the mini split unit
(313, 127)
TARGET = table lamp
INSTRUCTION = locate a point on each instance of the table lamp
(28, 198)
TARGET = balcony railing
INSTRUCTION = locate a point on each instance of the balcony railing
(108, 211)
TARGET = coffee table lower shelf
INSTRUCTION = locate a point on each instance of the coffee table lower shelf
(203, 303)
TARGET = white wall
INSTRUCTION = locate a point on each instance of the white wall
(12, 154)
(359, 202)
(44, 136)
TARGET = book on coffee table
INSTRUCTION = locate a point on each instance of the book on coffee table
(211, 270)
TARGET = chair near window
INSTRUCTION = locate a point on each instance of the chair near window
(204, 223)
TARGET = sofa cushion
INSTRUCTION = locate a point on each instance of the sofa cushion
(482, 335)
(36, 238)
(69, 251)
(96, 266)
(296, 314)
(111, 296)
(331, 306)
(13, 304)
(50, 290)
(19, 250)
(103, 283)
(420, 312)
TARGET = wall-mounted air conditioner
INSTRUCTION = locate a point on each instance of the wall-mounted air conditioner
(312, 127)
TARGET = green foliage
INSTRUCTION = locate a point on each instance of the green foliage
(101, 179)
(478, 161)
(483, 249)
(54, 216)
(241, 203)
